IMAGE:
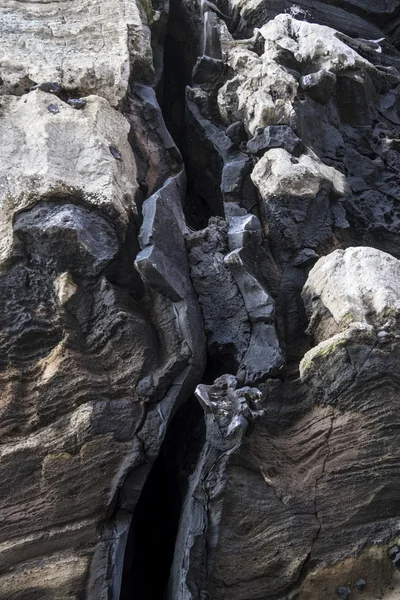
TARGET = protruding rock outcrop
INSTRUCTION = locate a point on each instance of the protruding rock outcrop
(96, 355)
(228, 412)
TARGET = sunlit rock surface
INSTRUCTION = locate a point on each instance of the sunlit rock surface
(91, 47)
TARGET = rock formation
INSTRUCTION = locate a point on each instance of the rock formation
(200, 300)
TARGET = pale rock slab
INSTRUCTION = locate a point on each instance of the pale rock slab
(357, 286)
(87, 45)
(309, 42)
(263, 89)
(260, 94)
(278, 174)
(67, 158)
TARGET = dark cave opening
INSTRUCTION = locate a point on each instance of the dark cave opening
(154, 526)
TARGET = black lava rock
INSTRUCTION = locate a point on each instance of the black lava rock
(48, 86)
(53, 108)
(77, 103)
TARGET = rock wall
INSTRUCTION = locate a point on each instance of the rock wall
(199, 212)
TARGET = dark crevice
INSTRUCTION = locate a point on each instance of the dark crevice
(154, 526)
(203, 160)
(219, 365)
(175, 79)
(177, 76)
(151, 539)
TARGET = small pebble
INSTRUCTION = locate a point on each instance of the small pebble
(361, 583)
(115, 152)
(393, 551)
(343, 592)
(53, 108)
(77, 103)
(383, 334)
(48, 86)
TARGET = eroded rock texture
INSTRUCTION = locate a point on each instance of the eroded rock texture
(199, 213)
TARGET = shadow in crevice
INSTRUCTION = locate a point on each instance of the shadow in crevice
(151, 539)
(177, 75)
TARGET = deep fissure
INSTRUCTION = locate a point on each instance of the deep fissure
(182, 49)
(154, 526)
(151, 539)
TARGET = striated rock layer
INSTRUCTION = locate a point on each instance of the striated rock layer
(236, 252)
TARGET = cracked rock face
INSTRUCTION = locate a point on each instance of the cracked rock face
(90, 46)
(199, 214)
(96, 353)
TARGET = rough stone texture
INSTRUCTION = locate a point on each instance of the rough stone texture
(372, 298)
(248, 263)
(302, 513)
(228, 412)
(315, 523)
(275, 136)
(225, 316)
(356, 18)
(66, 159)
(92, 47)
(280, 306)
(96, 356)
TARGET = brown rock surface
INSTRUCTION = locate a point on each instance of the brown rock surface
(125, 310)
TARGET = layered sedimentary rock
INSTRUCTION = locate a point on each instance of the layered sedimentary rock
(96, 354)
(303, 513)
(323, 510)
(241, 245)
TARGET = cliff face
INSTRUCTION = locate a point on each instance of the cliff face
(199, 300)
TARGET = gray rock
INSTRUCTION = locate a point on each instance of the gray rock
(88, 241)
(396, 560)
(343, 592)
(207, 70)
(320, 86)
(213, 151)
(225, 317)
(116, 153)
(77, 103)
(228, 412)
(246, 260)
(50, 87)
(275, 136)
(53, 108)
(236, 132)
(305, 258)
(295, 489)
(360, 584)
(233, 174)
(372, 299)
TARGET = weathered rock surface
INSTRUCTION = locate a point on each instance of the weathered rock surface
(225, 317)
(228, 413)
(251, 259)
(66, 160)
(96, 356)
(298, 97)
(314, 522)
(92, 47)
